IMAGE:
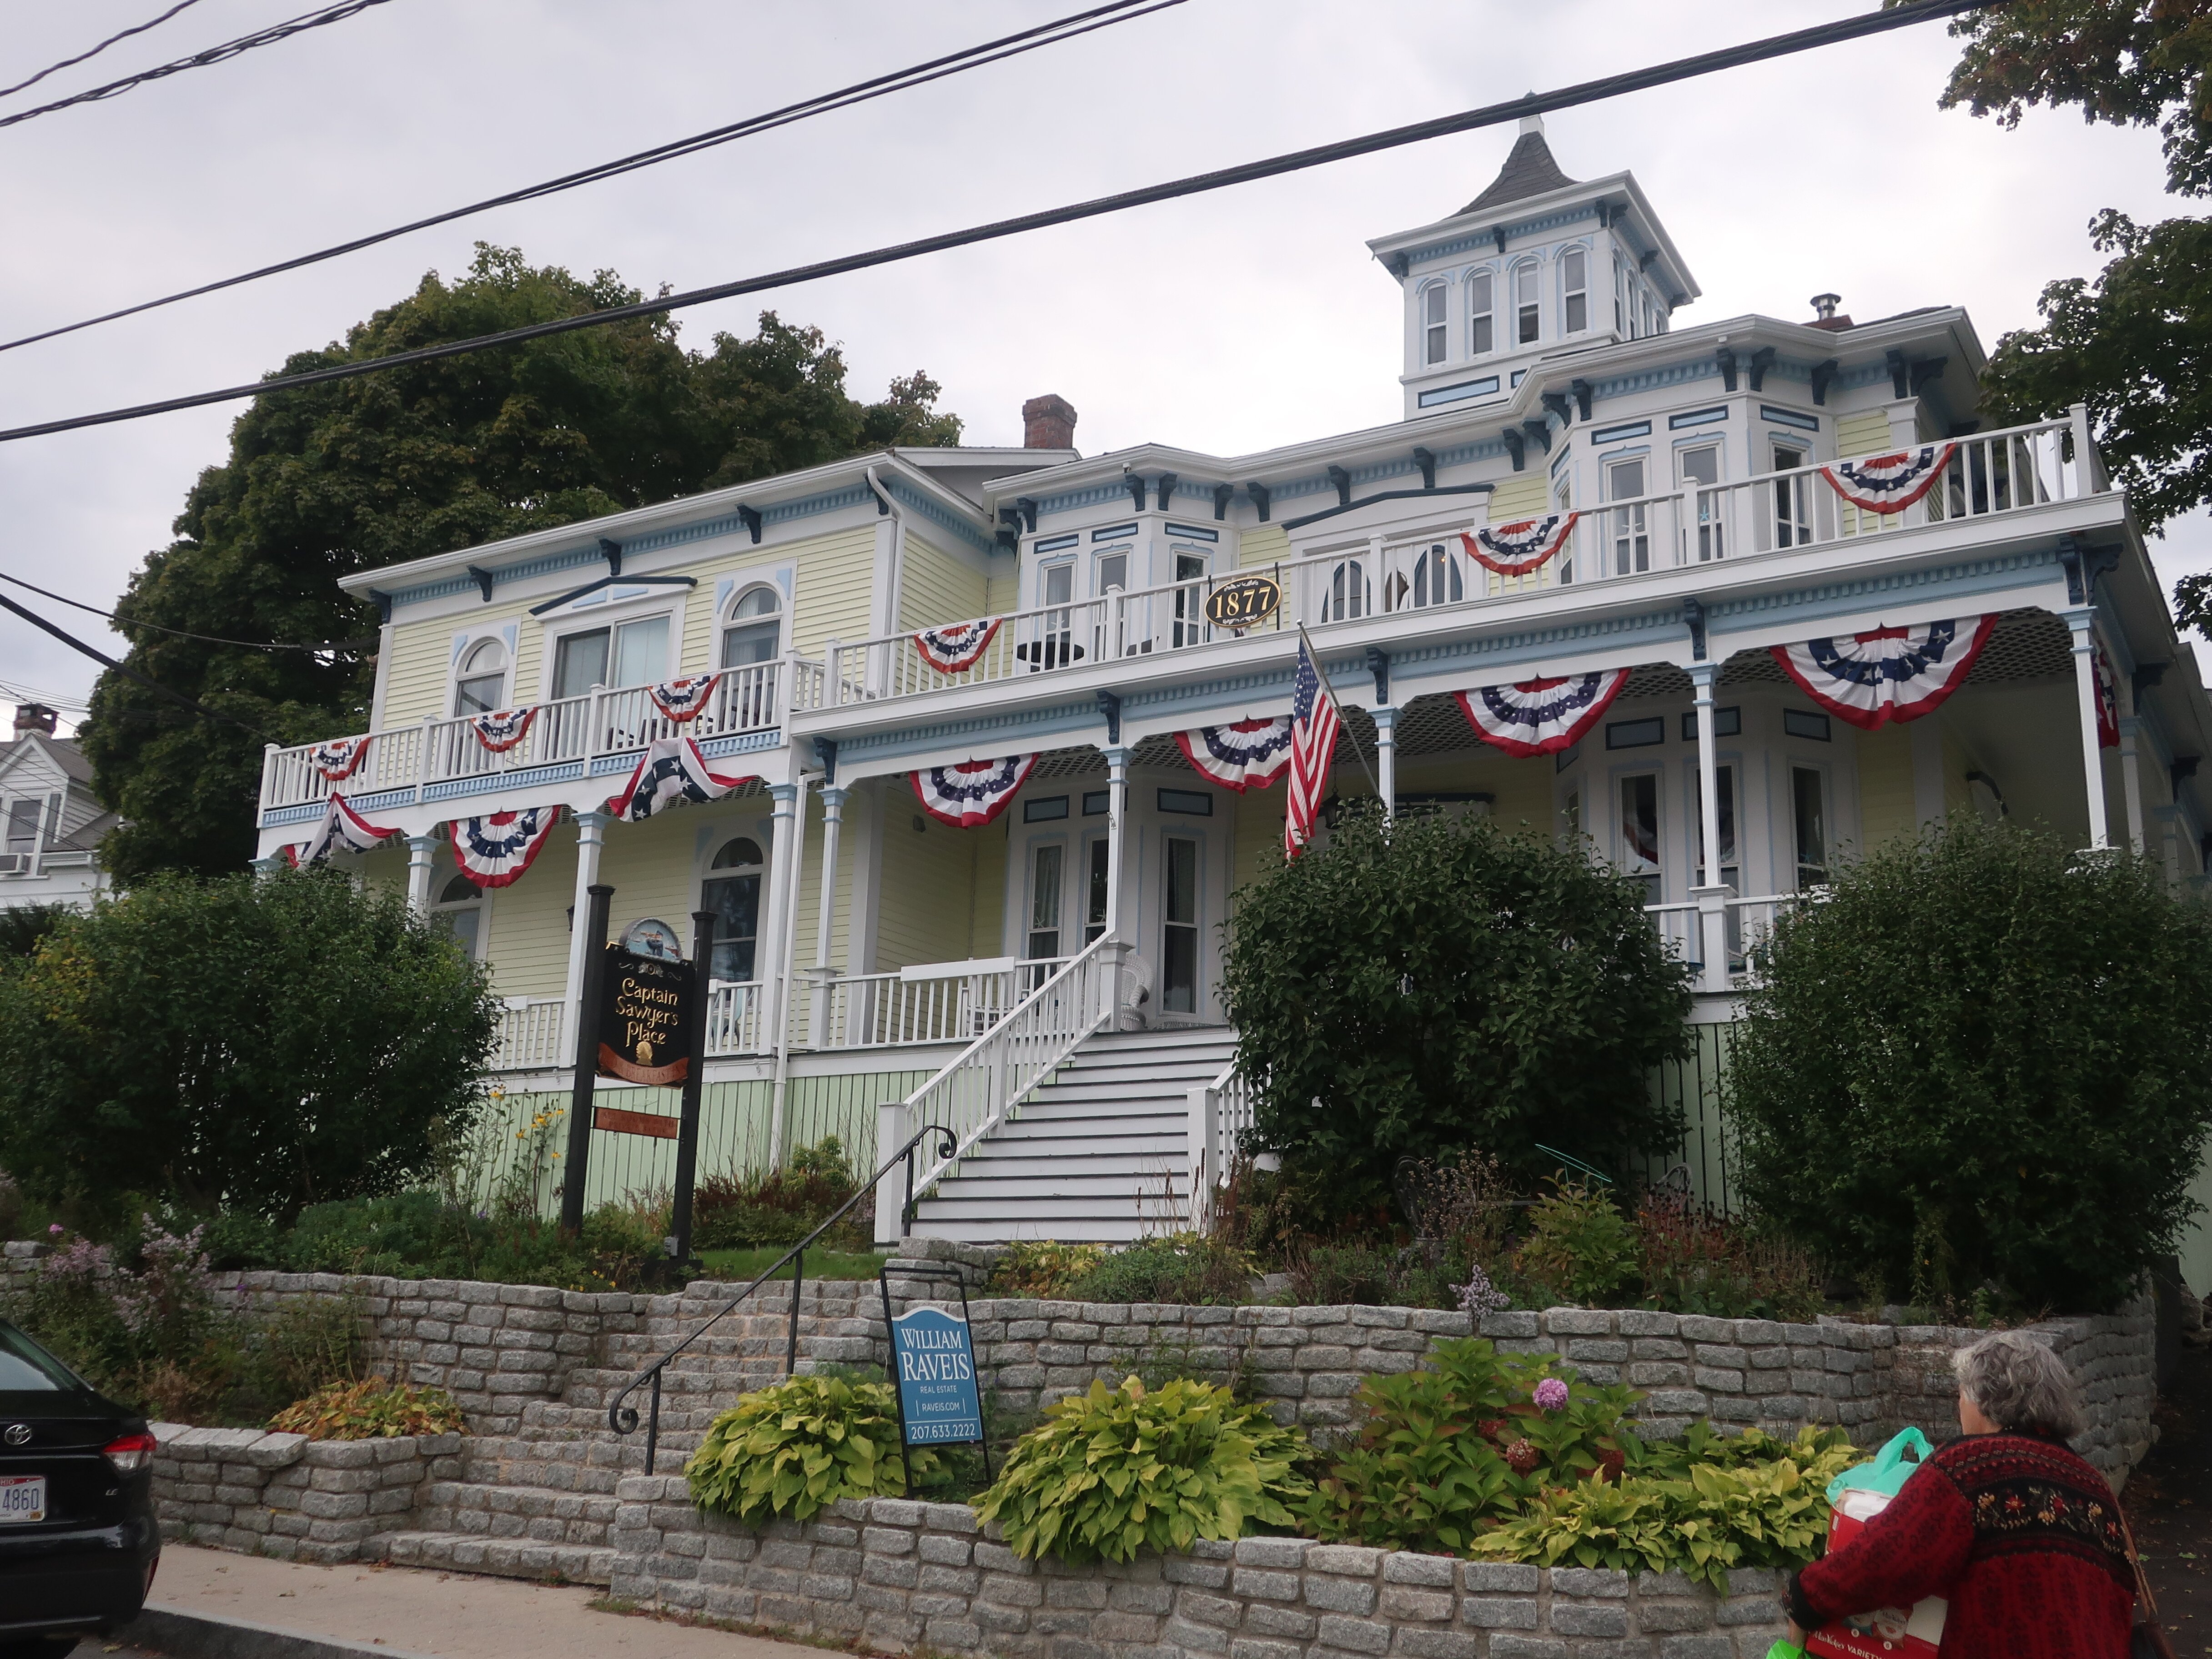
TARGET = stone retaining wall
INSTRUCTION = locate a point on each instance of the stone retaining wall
(904, 1576)
(288, 1496)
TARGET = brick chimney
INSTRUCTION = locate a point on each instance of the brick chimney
(34, 717)
(1049, 422)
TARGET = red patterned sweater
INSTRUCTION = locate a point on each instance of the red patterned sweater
(2021, 1535)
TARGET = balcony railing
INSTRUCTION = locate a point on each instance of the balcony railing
(1987, 475)
(930, 1002)
(529, 1035)
(1746, 925)
(445, 757)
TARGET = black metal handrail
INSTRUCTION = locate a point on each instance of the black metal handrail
(622, 1419)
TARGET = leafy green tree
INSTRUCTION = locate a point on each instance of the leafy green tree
(259, 1044)
(1984, 1065)
(326, 481)
(1441, 984)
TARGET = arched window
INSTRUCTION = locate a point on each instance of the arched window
(1574, 283)
(732, 893)
(1348, 595)
(1432, 322)
(1480, 302)
(459, 911)
(754, 632)
(481, 684)
(1526, 311)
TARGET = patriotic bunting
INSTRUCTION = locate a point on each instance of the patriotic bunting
(1887, 673)
(503, 728)
(1516, 548)
(338, 759)
(1889, 484)
(685, 698)
(2108, 703)
(1313, 726)
(494, 851)
(1542, 716)
(1249, 755)
(342, 830)
(970, 795)
(956, 647)
(671, 770)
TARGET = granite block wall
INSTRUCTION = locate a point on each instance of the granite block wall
(287, 1496)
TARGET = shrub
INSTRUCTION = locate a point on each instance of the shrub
(1113, 1471)
(1579, 1246)
(1447, 1451)
(782, 1207)
(1445, 983)
(421, 1235)
(373, 1409)
(252, 1042)
(1330, 1275)
(794, 1448)
(1184, 1269)
(1695, 1263)
(1040, 1268)
(1983, 1063)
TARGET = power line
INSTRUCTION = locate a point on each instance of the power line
(860, 92)
(1612, 86)
(227, 50)
(67, 62)
(333, 646)
(128, 672)
(20, 693)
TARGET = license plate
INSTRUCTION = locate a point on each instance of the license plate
(22, 1498)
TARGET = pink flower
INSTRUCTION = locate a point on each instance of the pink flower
(54, 1226)
(1551, 1393)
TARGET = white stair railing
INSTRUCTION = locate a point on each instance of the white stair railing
(1220, 1113)
(975, 1092)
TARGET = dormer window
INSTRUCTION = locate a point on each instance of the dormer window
(1574, 277)
(1479, 304)
(1432, 322)
(481, 685)
(1526, 311)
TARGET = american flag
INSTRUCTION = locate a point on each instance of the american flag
(1313, 726)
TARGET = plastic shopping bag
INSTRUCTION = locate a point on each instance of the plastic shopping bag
(1855, 1497)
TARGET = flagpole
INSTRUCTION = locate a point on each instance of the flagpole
(1321, 674)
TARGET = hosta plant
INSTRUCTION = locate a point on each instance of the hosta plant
(795, 1448)
(1117, 1470)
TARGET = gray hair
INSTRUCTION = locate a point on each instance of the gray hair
(2020, 1385)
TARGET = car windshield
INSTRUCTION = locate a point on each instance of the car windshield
(27, 1368)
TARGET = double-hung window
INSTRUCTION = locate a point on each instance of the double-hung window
(481, 685)
(1701, 470)
(1433, 301)
(628, 654)
(1631, 526)
(1639, 832)
(1810, 822)
(1479, 318)
(1527, 311)
(1574, 279)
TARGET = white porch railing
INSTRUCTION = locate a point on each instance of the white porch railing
(602, 722)
(1747, 924)
(976, 1092)
(929, 1002)
(735, 1012)
(1988, 475)
(529, 1034)
(1220, 1113)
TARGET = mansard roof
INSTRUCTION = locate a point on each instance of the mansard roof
(1529, 171)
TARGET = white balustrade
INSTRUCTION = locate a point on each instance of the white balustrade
(529, 1034)
(734, 1013)
(930, 1002)
(1220, 1114)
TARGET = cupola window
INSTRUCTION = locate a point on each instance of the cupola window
(1526, 311)
(1479, 304)
(1574, 277)
(1432, 322)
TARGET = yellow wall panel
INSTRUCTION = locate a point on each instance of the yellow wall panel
(1865, 433)
(927, 906)
(937, 587)
(835, 582)
(1264, 544)
(526, 925)
(701, 627)
(1885, 763)
(1256, 847)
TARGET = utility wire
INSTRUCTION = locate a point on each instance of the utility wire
(228, 49)
(124, 669)
(333, 646)
(860, 92)
(66, 63)
(1612, 86)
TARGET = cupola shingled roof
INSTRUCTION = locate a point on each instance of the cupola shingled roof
(1529, 171)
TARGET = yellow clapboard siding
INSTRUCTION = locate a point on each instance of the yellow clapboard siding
(1885, 806)
(421, 669)
(527, 925)
(1003, 592)
(927, 905)
(835, 583)
(1524, 496)
(702, 625)
(936, 587)
(1865, 433)
(1263, 545)
(1257, 848)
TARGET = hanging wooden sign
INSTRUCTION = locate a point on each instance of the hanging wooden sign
(644, 1027)
(1243, 602)
(615, 1121)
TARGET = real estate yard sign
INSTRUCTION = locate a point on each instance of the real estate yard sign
(933, 1365)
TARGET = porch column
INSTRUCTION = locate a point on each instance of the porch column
(591, 831)
(1386, 758)
(790, 839)
(2170, 833)
(1117, 820)
(1711, 893)
(421, 849)
(2082, 622)
(2131, 779)
(833, 818)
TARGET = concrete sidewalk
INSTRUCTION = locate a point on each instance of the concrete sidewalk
(206, 1603)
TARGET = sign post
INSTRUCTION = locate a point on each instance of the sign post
(694, 1081)
(934, 1370)
(594, 923)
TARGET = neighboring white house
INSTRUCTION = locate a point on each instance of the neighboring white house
(49, 822)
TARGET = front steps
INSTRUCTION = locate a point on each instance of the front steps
(1099, 1155)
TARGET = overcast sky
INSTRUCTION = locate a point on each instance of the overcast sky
(1229, 323)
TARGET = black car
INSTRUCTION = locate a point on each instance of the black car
(78, 1540)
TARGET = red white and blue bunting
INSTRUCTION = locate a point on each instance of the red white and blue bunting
(1526, 544)
(1541, 716)
(1889, 484)
(1249, 755)
(494, 851)
(2108, 703)
(342, 830)
(684, 698)
(338, 759)
(956, 647)
(970, 795)
(1887, 673)
(501, 729)
(670, 771)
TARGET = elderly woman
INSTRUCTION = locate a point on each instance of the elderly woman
(2019, 1535)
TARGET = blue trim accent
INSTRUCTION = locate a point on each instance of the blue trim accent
(930, 510)
(601, 765)
(1485, 238)
(1611, 434)
(1697, 418)
(1054, 544)
(1789, 418)
(741, 743)
(1193, 533)
(493, 782)
(1114, 533)
(1458, 394)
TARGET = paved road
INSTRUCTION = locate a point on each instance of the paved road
(2169, 1501)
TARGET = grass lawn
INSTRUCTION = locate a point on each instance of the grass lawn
(742, 1266)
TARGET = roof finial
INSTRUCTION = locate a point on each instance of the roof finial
(1532, 123)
